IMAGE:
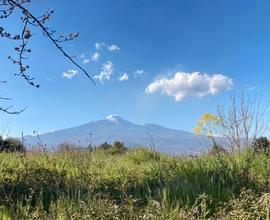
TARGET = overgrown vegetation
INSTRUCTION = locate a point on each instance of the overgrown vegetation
(134, 184)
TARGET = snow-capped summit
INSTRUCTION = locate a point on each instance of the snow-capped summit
(112, 118)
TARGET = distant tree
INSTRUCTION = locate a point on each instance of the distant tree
(11, 145)
(261, 145)
(20, 10)
(119, 146)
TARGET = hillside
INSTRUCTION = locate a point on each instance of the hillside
(114, 128)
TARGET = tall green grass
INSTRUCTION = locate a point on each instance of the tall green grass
(136, 184)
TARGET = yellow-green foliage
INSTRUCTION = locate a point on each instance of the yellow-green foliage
(206, 124)
(136, 184)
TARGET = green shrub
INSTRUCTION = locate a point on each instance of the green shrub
(261, 145)
(117, 147)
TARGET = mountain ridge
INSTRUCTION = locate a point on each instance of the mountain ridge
(114, 128)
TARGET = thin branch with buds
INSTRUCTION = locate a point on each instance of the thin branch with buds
(29, 22)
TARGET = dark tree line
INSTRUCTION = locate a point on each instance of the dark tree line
(29, 23)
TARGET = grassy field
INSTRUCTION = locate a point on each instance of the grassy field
(135, 184)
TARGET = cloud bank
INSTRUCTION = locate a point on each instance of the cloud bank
(183, 85)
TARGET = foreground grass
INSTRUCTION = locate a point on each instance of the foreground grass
(136, 184)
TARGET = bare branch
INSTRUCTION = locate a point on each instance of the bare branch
(40, 23)
(30, 21)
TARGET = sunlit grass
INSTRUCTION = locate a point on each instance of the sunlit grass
(136, 184)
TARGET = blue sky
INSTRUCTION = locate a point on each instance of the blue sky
(177, 59)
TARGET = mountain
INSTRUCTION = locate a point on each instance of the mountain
(114, 128)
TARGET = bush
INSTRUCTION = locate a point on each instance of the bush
(11, 145)
(261, 145)
(117, 147)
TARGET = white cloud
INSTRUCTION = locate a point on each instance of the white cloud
(123, 77)
(99, 45)
(69, 74)
(86, 61)
(139, 72)
(106, 72)
(113, 48)
(183, 85)
(95, 56)
(82, 56)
